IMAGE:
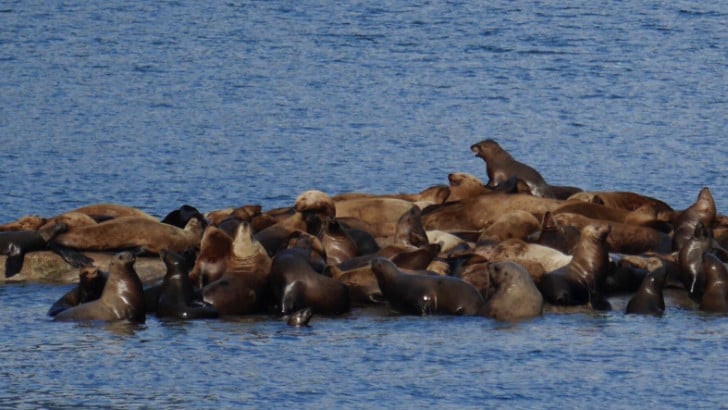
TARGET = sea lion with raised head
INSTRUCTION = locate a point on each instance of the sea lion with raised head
(121, 299)
(91, 281)
(649, 299)
(176, 295)
(702, 210)
(516, 296)
(15, 244)
(426, 294)
(580, 282)
(500, 166)
(715, 297)
(212, 260)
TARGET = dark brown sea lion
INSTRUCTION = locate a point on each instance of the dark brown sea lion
(15, 244)
(501, 166)
(690, 260)
(133, 233)
(241, 289)
(300, 318)
(362, 283)
(579, 282)
(477, 213)
(212, 261)
(702, 210)
(91, 281)
(339, 246)
(649, 299)
(176, 296)
(275, 237)
(426, 294)
(180, 216)
(623, 238)
(715, 297)
(555, 235)
(295, 285)
(409, 229)
(122, 298)
(516, 296)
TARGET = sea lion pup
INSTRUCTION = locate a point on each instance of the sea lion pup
(300, 318)
(580, 282)
(514, 224)
(294, 284)
(649, 299)
(477, 213)
(464, 185)
(715, 297)
(121, 299)
(516, 296)
(102, 212)
(216, 247)
(180, 216)
(702, 210)
(176, 296)
(25, 223)
(623, 238)
(500, 166)
(555, 235)
(241, 289)
(91, 281)
(629, 201)
(15, 244)
(426, 294)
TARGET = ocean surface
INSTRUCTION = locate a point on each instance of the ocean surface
(159, 104)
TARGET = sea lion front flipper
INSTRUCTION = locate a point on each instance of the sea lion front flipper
(72, 257)
(14, 262)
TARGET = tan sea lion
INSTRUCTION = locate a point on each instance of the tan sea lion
(516, 296)
(216, 247)
(241, 288)
(133, 233)
(121, 299)
(373, 210)
(103, 212)
(516, 224)
(25, 223)
(464, 185)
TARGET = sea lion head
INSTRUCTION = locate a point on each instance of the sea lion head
(486, 149)
(316, 202)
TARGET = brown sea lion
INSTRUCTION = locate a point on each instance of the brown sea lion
(516, 224)
(362, 284)
(72, 220)
(25, 223)
(500, 166)
(133, 233)
(464, 185)
(15, 244)
(646, 215)
(690, 261)
(516, 296)
(242, 213)
(338, 245)
(426, 294)
(623, 238)
(121, 299)
(294, 285)
(241, 289)
(555, 235)
(479, 212)
(176, 296)
(373, 210)
(409, 229)
(275, 237)
(91, 281)
(212, 261)
(702, 210)
(628, 201)
(102, 212)
(649, 298)
(715, 297)
(579, 282)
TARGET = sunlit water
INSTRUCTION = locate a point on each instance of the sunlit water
(156, 104)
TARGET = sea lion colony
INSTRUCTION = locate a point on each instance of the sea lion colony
(508, 249)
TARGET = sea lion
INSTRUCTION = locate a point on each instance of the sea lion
(464, 185)
(409, 229)
(317, 202)
(555, 235)
(426, 294)
(477, 213)
(25, 223)
(623, 238)
(500, 166)
(362, 283)
(121, 299)
(374, 210)
(294, 285)
(275, 237)
(649, 299)
(537, 259)
(15, 244)
(176, 296)
(514, 224)
(137, 233)
(702, 210)
(715, 297)
(180, 216)
(628, 201)
(690, 260)
(91, 281)
(516, 296)
(580, 281)
(338, 245)
(211, 263)
(102, 212)
(241, 289)
(300, 318)
(646, 215)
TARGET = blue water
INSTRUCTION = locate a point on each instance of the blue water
(156, 104)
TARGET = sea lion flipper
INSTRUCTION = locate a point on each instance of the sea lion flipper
(71, 256)
(14, 262)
